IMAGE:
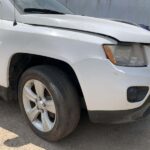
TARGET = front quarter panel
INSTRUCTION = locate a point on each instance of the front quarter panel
(68, 46)
(72, 47)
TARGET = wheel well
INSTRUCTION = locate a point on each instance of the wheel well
(20, 62)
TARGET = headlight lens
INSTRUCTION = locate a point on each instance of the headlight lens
(126, 55)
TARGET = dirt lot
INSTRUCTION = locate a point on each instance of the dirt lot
(15, 134)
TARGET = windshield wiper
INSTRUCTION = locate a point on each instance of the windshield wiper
(41, 11)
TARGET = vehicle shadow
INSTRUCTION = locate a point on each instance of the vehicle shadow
(88, 136)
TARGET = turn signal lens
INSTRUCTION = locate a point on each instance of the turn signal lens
(109, 54)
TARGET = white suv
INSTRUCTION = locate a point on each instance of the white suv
(54, 62)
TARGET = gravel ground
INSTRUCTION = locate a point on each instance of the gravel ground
(15, 134)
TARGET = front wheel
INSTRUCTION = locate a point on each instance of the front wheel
(49, 102)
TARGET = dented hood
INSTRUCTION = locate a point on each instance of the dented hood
(121, 31)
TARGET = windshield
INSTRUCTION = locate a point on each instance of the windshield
(41, 4)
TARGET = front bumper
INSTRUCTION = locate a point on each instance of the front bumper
(105, 85)
(121, 116)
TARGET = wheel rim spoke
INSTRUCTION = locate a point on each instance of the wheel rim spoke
(29, 94)
(39, 105)
(39, 88)
(50, 106)
(45, 121)
(33, 114)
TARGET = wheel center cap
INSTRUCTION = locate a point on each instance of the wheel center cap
(40, 104)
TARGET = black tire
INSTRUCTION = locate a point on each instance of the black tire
(65, 98)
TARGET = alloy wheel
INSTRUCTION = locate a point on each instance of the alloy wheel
(39, 105)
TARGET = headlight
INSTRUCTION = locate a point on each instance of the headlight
(126, 55)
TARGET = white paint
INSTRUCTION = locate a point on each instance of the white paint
(104, 85)
(117, 30)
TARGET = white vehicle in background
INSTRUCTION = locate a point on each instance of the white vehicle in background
(54, 62)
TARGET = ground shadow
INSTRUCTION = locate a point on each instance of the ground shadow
(88, 136)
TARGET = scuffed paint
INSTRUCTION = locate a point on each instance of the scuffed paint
(137, 11)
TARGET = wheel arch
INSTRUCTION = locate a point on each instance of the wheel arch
(21, 61)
